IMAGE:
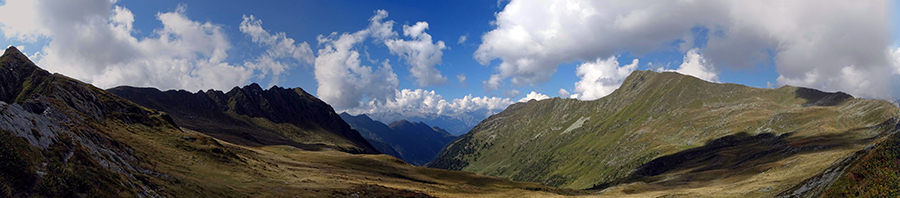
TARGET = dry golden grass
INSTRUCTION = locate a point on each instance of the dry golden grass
(198, 165)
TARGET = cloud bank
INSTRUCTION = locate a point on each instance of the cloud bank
(422, 103)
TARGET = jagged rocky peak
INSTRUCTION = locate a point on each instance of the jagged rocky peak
(16, 70)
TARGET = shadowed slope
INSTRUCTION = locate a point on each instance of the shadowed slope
(373, 131)
(416, 143)
(732, 157)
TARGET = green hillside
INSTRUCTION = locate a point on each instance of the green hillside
(662, 131)
(876, 172)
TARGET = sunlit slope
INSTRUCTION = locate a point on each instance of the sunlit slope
(605, 142)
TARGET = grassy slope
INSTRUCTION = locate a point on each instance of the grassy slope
(653, 115)
(202, 166)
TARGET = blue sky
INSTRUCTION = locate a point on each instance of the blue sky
(304, 20)
(512, 48)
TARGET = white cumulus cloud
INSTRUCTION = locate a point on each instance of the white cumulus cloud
(563, 93)
(18, 20)
(343, 80)
(345, 83)
(92, 41)
(695, 65)
(461, 78)
(279, 48)
(826, 46)
(601, 77)
(534, 96)
(421, 53)
(420, 102)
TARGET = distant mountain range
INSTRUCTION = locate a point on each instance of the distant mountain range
(668, 131)
(456, 124)
(416, 143)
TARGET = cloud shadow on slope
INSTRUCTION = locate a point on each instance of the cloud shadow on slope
(731, 158)
(819, 98)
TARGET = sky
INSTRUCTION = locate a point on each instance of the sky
(457, 57)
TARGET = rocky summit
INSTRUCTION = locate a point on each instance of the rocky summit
(663, 134)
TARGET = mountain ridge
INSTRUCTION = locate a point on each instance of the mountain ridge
(235, 116)
(455, 125)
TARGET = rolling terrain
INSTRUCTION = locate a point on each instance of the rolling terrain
(663, 134)
(416, 143)
(60, 137)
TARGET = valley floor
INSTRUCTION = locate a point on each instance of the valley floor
(285, 171)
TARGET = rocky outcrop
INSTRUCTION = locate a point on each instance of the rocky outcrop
(55, 138)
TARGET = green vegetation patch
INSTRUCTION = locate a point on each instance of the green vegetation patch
(17, 173)
(876, 175)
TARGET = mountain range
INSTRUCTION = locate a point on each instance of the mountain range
(416, 143)
(60, 137)
(663, 134)
(658, 135)
(456, 124)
